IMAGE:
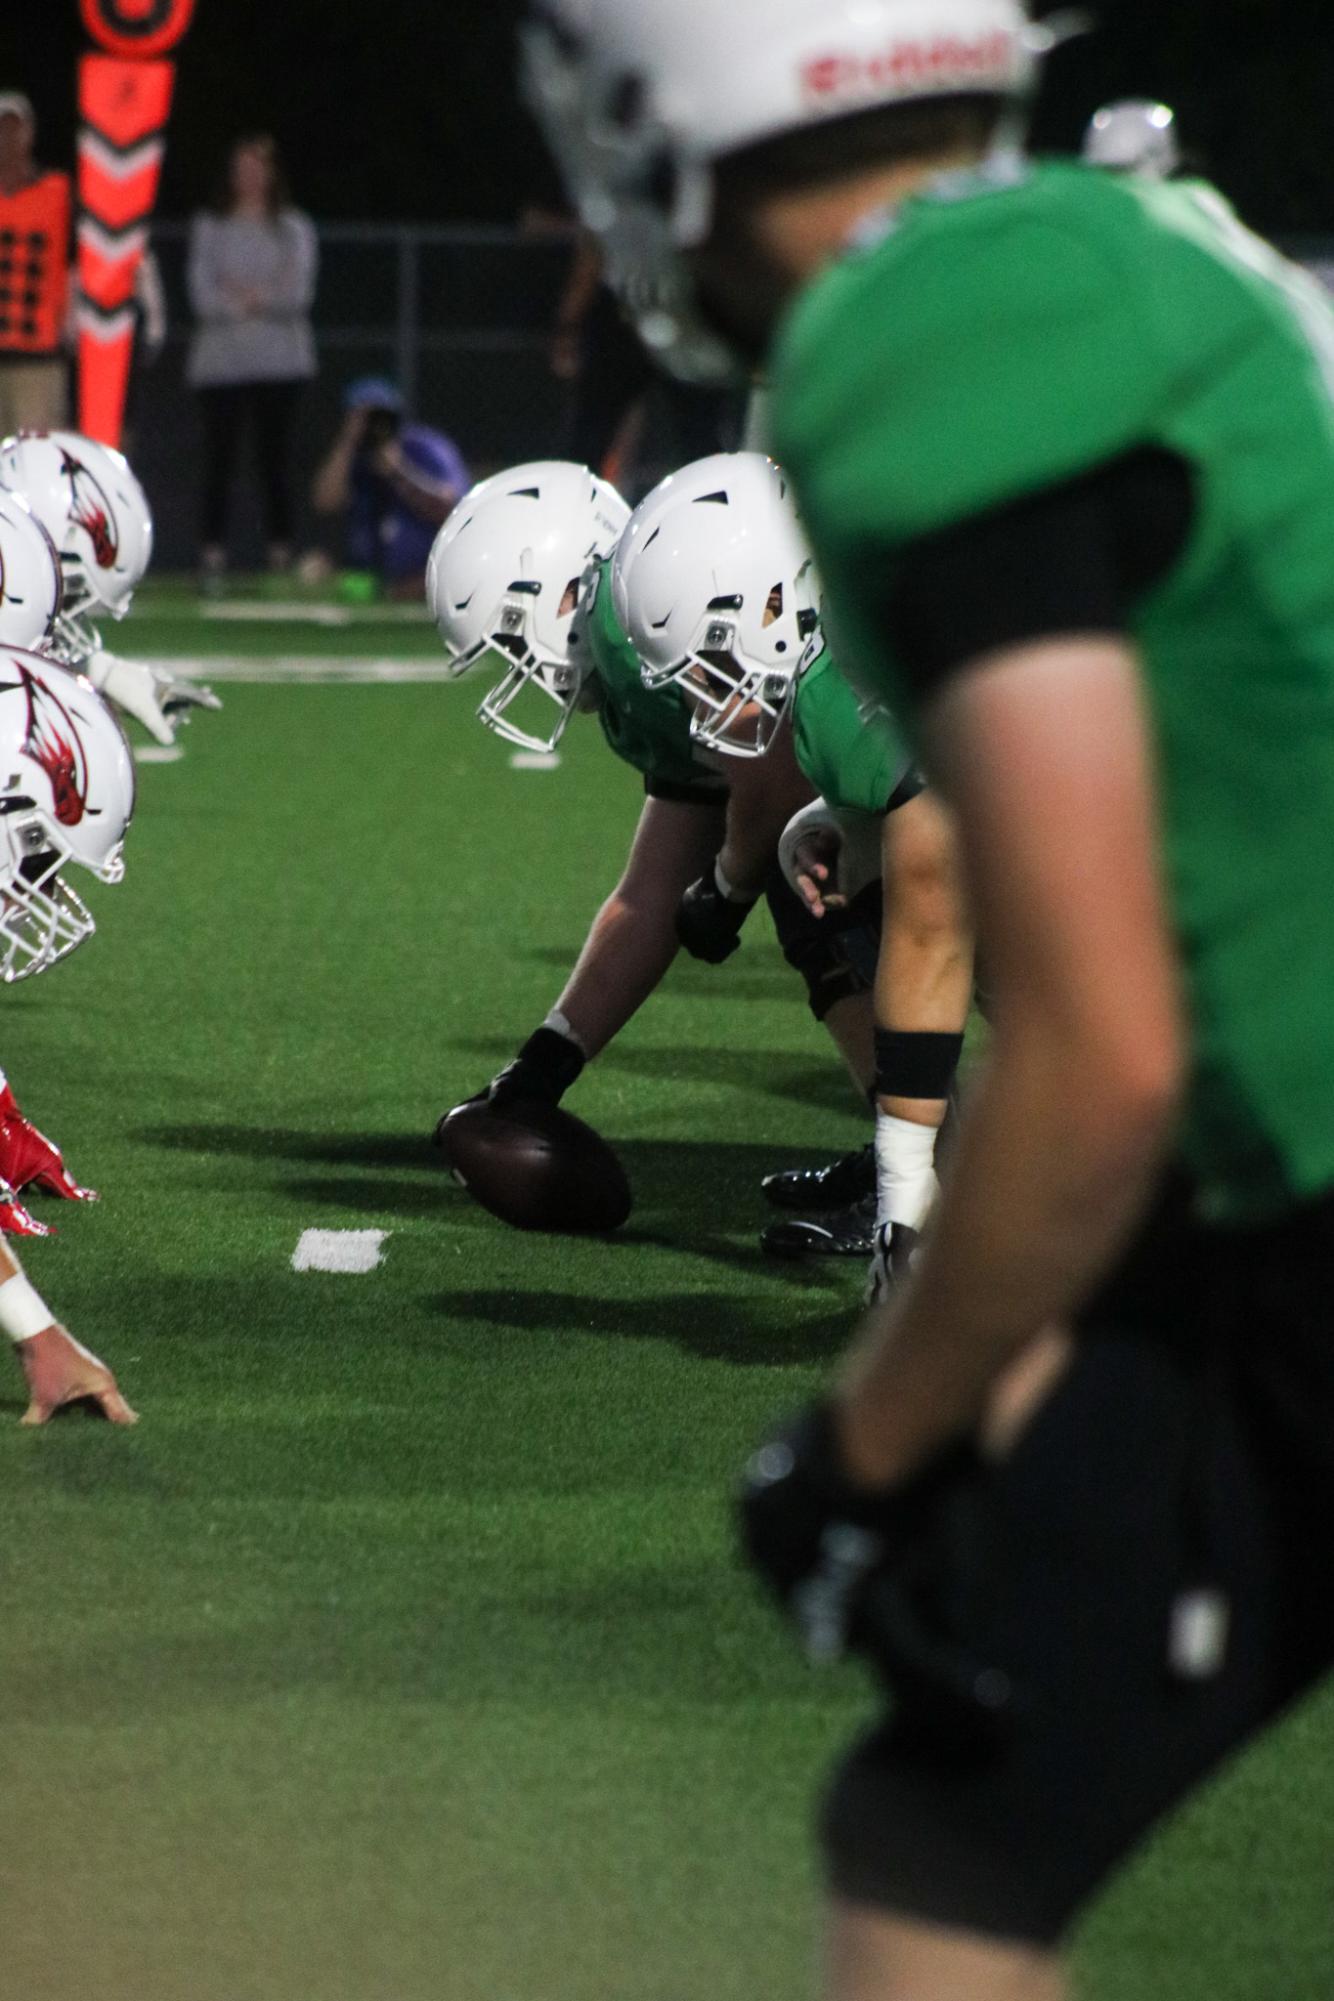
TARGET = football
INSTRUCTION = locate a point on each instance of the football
(536, 1167)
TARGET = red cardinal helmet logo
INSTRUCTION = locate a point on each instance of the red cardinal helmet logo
(91, 510)
(53, 742)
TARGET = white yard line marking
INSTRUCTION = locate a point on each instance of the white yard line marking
(339, 1250)
(246, 611)
(158, 753)
(313, 669)
(534, 760)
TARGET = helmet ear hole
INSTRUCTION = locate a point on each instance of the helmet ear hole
(569, 599)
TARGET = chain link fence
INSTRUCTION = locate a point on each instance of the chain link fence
(460, 318)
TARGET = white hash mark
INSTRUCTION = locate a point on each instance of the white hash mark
(339, 1250)
(535, 760)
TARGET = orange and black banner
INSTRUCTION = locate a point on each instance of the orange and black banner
(124, 101)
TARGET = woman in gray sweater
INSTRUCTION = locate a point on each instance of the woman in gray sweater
(252, 268)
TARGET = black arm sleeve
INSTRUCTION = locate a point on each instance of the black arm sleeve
(1072, 558)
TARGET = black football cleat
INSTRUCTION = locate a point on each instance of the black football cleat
(838, 1233)
(892, 1255)
(840, 1182)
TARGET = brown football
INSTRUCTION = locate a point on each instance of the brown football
(536, 1166)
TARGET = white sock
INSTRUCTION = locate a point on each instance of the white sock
(905, 1173)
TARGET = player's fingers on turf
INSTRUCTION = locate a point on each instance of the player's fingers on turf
(114, 1407)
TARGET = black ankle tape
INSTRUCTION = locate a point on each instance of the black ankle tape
(909, 1064)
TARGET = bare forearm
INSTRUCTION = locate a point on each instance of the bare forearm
(429, 501)
(1054, 1167)
(627, 953)
(333, 481)
(763, 796)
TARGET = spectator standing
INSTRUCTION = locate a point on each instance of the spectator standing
(252, 270)
(34, 277)
(393, 481)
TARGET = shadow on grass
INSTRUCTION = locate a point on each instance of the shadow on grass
(714, 1327)
(696, 1198)
(274, 1143)
(803, 1080)
(681, 1181)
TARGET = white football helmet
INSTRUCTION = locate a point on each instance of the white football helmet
(504, 579)
(716, 587)
(30, 588)
(1134, 136)
(637, 101)
(66, 795)
(96, 513)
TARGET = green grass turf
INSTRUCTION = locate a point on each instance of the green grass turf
(272, 615)
(399, 1653)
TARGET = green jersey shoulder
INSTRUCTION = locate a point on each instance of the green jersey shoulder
(647, 728)
(1003, 334)
(847, 745)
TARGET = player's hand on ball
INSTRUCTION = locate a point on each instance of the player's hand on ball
(708, 924)
(60, 1371)
(541, 1073)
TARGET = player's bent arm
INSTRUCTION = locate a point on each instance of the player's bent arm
(1043, 751)
(764, 794)
(633, 941)
(59, 1370)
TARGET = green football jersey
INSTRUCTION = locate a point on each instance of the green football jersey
(847, 746)
(1007, 331)
(647, 728)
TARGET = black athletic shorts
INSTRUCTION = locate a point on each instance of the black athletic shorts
(1149, 1576)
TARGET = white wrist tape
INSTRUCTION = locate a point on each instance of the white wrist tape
(728, 890)
(559, 1025)
(23, 1311)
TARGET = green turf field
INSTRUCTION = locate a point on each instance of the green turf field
(398, 1655)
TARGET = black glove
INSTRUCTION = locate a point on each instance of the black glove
(543, 1070)
(841, 1559)
(708, 923)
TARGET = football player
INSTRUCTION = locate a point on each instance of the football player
(1063, 441)
(520, 574)
(692, 588)
(30, 602)
(66, 797)
(96, 513)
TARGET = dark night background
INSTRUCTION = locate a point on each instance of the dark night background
(406, 108)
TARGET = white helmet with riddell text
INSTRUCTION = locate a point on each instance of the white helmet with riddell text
(1134, 136)
(66, 795)
(96, 513)
(637, 101)
(716, 588)
(30, 590)
(503, 582)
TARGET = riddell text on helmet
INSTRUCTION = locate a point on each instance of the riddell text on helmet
(947, 58)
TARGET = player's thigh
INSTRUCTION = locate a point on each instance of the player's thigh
(1121, 1577)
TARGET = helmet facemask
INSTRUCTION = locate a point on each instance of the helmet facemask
(42, 920)
(739, 700)
(536, 682)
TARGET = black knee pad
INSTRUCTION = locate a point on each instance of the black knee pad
(835, 954)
